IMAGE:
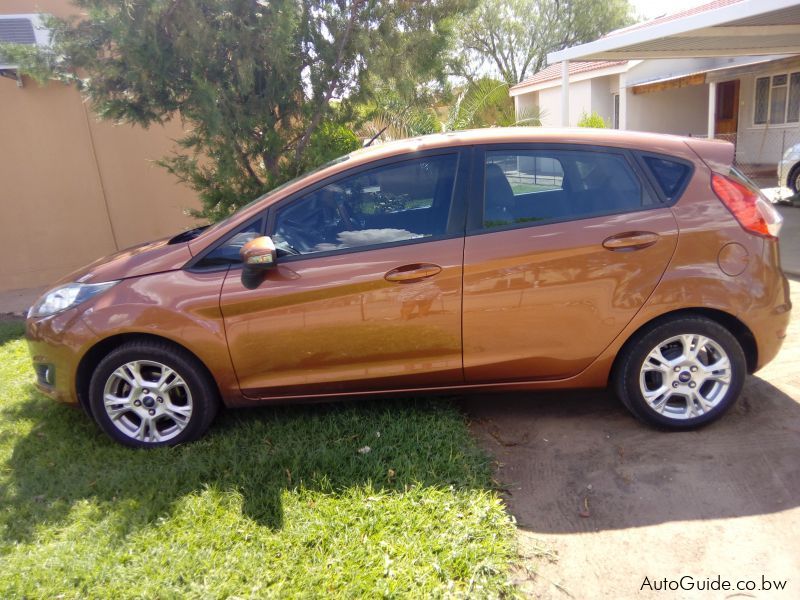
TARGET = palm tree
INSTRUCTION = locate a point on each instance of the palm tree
(486, 103)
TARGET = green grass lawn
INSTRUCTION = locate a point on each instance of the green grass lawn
(274, 502)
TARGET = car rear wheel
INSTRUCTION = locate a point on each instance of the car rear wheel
(681, 374)
(149, 394)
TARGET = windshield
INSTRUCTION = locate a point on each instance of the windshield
(220, 224)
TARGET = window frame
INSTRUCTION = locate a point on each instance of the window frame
(477, 183)
(788, 85)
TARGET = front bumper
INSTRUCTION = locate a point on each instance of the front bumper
(56, 345)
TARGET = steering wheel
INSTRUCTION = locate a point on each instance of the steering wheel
(351, 222)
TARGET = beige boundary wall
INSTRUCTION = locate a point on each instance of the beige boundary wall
(73, 188)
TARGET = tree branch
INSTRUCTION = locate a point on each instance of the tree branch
(336, 70)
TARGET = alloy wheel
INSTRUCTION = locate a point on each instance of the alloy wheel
(147, 401)
(685, 376)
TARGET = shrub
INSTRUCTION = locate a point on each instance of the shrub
(593, 120)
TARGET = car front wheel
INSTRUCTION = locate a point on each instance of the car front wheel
(682, 373)
(149, 393)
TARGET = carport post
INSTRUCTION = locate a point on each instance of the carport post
(565, 93)
(712, 107)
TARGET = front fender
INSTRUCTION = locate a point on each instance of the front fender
(179, 306)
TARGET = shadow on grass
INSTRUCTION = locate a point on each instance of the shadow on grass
(259, 453)
(11, 328)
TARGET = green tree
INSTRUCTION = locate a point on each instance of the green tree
(513, 37)
(254, 81)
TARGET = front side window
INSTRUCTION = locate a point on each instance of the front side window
(396, 202)
(545, 185)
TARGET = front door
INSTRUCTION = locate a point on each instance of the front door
(727, 109)
(570, 245)
(367, 292)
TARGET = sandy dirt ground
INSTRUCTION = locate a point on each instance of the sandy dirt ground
(602, 501)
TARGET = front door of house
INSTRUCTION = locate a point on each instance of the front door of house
(727, 111)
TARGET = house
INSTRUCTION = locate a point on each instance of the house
(728, 69)
(74, 188)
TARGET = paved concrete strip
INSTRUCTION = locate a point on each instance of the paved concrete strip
(618, 501)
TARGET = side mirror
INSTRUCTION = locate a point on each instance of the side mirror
(258, 256)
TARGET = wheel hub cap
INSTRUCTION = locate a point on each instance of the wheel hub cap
(685, 376)
(148, 401)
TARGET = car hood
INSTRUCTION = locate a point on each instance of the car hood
(143, 259)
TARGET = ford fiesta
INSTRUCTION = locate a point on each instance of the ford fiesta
(502, 259)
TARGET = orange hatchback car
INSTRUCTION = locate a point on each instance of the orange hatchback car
(501, 259)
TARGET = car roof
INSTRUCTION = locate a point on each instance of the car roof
(499, 135)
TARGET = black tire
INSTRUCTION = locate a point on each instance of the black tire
(196, 392)
(793, 182)
(629, 377)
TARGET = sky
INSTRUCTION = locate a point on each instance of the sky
(650, 9)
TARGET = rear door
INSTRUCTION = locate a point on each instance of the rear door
(564, 245)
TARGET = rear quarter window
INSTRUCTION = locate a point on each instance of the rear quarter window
(670, 175)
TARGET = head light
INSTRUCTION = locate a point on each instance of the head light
(67, 296)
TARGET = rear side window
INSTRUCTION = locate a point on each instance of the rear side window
(522, 186)
(670, 176)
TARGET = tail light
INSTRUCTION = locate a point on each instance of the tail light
(753, 211)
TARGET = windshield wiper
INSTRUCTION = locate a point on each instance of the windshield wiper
(189, 234)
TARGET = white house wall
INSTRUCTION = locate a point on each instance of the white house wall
(550, 105)
(580, 101)
(525, 103)
(682, 111)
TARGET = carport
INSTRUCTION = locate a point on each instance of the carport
(720, 29)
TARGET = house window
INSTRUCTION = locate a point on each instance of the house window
(615, 123)
(793, 111)
(777, 99)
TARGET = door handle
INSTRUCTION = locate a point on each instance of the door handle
(631, 240)
(413, 272)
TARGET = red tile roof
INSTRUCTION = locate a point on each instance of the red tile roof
(578, 66)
